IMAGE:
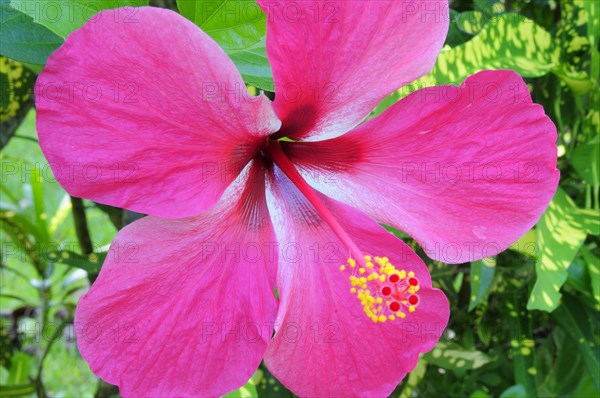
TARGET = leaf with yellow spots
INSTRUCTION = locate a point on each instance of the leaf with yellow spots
(16, 83)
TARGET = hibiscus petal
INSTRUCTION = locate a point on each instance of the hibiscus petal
(325, 345)
(464, 170)
(333, 61)
(141, 109)
(185, 307)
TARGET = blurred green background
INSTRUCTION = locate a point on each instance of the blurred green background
(524, 323)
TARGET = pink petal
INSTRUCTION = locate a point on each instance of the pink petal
(141, 109)
(325, 345)
(333, 61)
(185, 307)
(465, 171)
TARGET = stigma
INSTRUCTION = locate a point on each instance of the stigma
(385, 292)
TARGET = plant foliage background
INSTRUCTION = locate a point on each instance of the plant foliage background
(524, 323)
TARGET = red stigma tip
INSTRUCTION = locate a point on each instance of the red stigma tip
(413, 282)
(413, 300)
(386, 290)
(394, 278)
(395, 306)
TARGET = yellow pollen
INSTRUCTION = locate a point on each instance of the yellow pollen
(385, 293)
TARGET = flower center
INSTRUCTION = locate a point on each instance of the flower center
(384, 292)
(273, 150)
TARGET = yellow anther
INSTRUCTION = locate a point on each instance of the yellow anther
(383, 291)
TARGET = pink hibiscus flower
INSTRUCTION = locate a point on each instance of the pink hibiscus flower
(149, 114)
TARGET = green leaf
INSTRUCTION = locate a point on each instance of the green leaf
(17, 390)
(455, 36)
(593, 268)
(19, 369)
(22, 39)
(37, 190)
(522, 347)
(567, 368)
(526, 244)
(586, 161)
(516, 391)
(91, 263)
(414, 378)
(239, 26)
(508, 41)
(559, 234)
(451, 356)
(254, 66)
(471, 22)
(575, 318)
(64, 16)
(482, 275)
(248, 390)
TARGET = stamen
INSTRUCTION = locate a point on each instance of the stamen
(384, 292)
(273, 150)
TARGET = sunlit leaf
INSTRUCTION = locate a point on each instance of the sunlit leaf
(526, 244)
(64, 16)
(414, 378)
(559, 235)
(471, 22)
(239, 27)
(451, 356)
(508, 41)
